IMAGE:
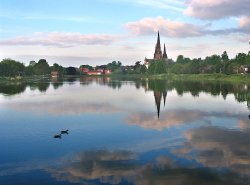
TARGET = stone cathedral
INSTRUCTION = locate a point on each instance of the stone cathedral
(158, 53)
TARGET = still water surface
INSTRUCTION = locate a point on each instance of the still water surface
(120, 131)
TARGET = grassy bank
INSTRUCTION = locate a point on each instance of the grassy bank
(190, 77)
(23, 79)
(205, 77)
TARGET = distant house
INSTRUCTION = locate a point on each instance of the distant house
(244, 69)
(147, 62)
(100, 70)
(54, 74)
(107, 71)
(94, 73)
(84, 69)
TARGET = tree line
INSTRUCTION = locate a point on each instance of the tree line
(182, 65)
(211, 64)
(10, 68)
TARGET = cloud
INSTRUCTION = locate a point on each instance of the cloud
(62, 39)
(167, 119)
(173, 5)
(167, 27)
(245, 24)
(106, 166)
(117, 167)
(219, 148)
(175, 118)
(69, 107)
(214, 9)
(177, 29)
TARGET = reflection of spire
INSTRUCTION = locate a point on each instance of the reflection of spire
(158, 96)
(164, 97)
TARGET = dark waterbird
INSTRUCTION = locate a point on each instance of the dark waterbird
(58, 136)
(65, 131)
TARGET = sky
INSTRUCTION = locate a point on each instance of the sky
(76, 32)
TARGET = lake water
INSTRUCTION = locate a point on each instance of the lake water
(124, 131)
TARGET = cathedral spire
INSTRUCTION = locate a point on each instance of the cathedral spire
(165, 56)
(158, 39)
(158, 52)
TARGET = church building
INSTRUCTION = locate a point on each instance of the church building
(158, 53)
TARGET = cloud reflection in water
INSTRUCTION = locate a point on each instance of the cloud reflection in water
(121, 167)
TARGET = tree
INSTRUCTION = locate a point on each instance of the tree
(114, 66)
(42, 67)
(71, 71)
(241, 58)
(58, 68)
(157, 67)
(88, 67)
(143, 69)
(224, 57)
(180, 59)
(137, 67)
(29, 70)
(9, 67)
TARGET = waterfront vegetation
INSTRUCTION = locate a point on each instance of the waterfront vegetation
(215, 67)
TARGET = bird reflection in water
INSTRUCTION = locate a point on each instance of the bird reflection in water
(62, 132)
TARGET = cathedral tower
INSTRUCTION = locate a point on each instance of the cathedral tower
(164, 56)
(158, 52)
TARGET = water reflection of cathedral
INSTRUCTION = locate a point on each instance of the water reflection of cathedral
(158, 98)
(160, 93)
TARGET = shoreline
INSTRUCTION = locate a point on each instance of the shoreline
(235, 78)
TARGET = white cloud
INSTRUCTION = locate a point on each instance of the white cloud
(62, 39)
(215, 9)
(167, 27)
(173, 5)
(176, 29)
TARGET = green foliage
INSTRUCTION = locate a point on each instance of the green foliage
(211, 64)
(71, 71)
(143, 69)
(29, 70)
(157, 67)
(58, 68)
(42, 67)
(114, 66)
(241, 58)
(9, 67)
(87, 66)
(138, 68)
(224, 57)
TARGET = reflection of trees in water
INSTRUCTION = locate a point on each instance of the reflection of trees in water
(17, 88)
(43, 86)
(243, 97)
(57, 82)
(56, 85)
(240, 91)
(12, 88)
(70, 80)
